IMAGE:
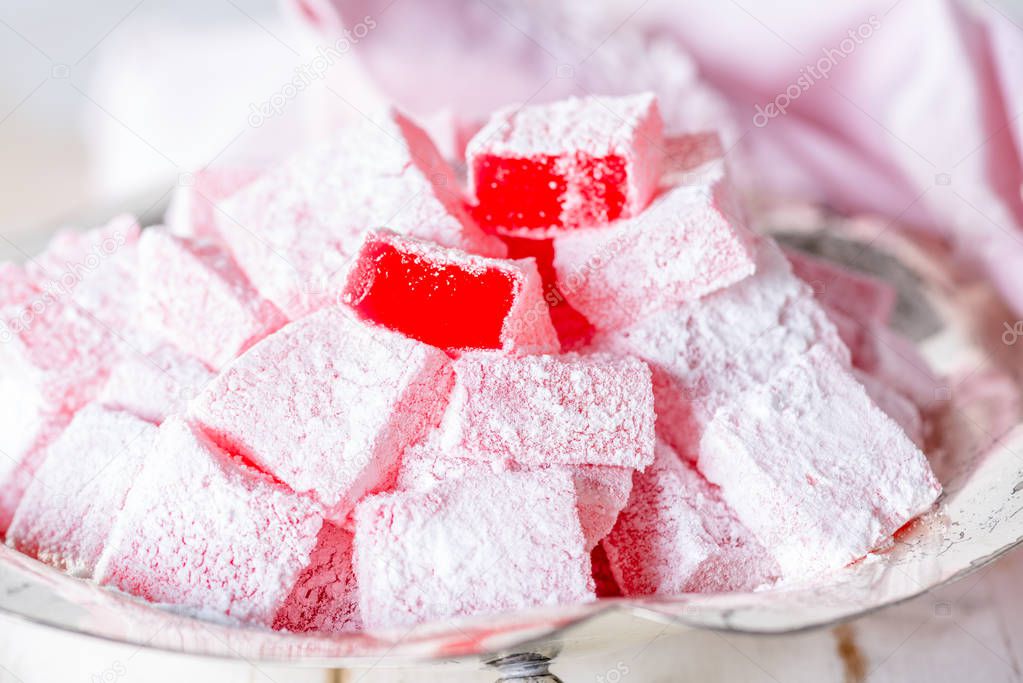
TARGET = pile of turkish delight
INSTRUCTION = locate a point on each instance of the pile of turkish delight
(345, 393)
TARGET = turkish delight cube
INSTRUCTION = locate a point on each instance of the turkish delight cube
(195, 296)
(326, 404)
(570, 164)
(155, 385)
(705, 354)
(325, 597)
(569, 409)
(691, 241)
(814, 468)
(677, 535)
(202, 531)
(483, 544)
(449, 298)
(860, 296)
(70, 505)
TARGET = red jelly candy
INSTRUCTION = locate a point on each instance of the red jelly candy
(540, 187)
(574, 330)
(448, 298)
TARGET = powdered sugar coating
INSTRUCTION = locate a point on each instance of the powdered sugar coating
(68, 317)
(706, 354)
(479, 545)
(677, 535)
(193, 295)
(69, 508)
(570, 409)
(54, 355)
(858, 295)
(16, 286)
(25, 440)
(893, 359)
(235, 549)
(598, 126)
(570, 136)
(689, 242)
(155, 385)
(326, 404)
(295, 229)
(600, 492)
(895, 405)
(325, 597)
(193, 207)
(96, 271)
(813, 468)
(889, 358)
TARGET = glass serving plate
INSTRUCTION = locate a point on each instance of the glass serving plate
(976, 446)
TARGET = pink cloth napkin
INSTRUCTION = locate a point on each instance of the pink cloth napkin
(907, 109)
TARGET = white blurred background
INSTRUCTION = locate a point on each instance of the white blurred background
(79, 133)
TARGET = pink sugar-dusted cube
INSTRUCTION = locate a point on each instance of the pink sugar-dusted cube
(65, 320)
(677, 535)
(24, 439)
(327, 404)
(888, 357)
(482, 544)
(294, 230)
(154, 385)
(814, 468)
(70, 505)
(426, 292)
(895, 360)
(194, 206)
(600, 492)
(895, 405)
(16, 286)
(705, 354)
(689, 242)
(534, 410)
(54, 355)
(325, 597)
(860, 296)
(193, 295)
(204, 532)
(574, 163)
(425, 464)
(96, 271)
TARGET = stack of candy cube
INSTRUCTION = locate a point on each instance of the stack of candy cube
(343, 393)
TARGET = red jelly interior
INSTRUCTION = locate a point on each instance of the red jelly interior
(444, 305)
(574, 330)
(517, 193)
